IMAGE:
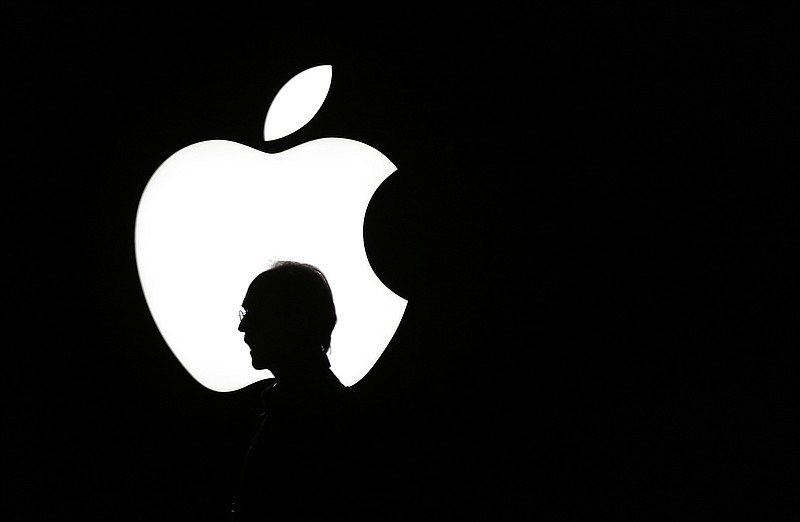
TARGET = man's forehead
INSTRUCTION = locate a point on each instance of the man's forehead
(260, 298)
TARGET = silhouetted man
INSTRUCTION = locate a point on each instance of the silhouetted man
(301, 462)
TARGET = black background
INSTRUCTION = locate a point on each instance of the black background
(592, 221)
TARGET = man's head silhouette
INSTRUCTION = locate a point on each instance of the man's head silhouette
(288, 317)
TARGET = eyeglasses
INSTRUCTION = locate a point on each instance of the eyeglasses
(242, 313)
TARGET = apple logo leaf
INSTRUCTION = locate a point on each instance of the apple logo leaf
(297, 102)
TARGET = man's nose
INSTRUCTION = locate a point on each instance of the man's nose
(241, 324)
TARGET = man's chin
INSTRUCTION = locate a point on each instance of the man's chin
(257, 363)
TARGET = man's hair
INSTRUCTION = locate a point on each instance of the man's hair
(303, 292)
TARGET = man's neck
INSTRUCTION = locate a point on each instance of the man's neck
(311, 367)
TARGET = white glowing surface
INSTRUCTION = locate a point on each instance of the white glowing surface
(214, 216)
(217, 213)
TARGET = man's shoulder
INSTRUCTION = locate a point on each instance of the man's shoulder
(340, 399)
(323, 393)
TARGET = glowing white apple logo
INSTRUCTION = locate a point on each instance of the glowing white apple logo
(216, 213)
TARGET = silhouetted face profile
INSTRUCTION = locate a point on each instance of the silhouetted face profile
(288, 317)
